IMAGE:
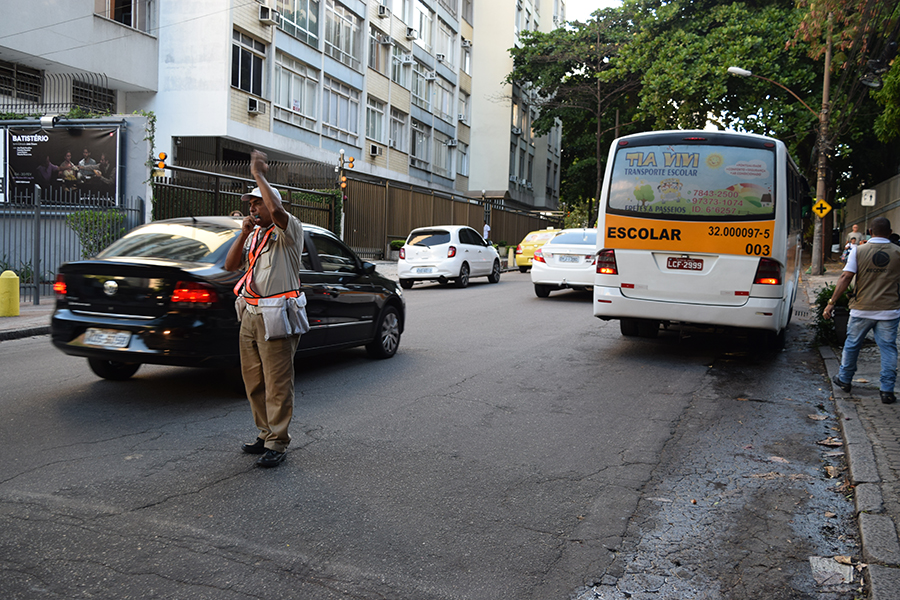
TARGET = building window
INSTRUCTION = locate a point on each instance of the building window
(467, 11)
(450, 5)
(342, 34)
(445, 43)
(300, 18)
(421, 86)
(402, 9)
(398, 129)
(512, 160)
(462, 159)
(340, 111)
(20, 82)
(399, 70)
(379, 51)
(463, 106)
(465, 60)
(296, 87)
(420, 146)
(247, 56)
(443, 99)
(375, 119)
(423, 20)
(442, 155)
(93, 97)
(131, 13)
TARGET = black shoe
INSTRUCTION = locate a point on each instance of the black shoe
(271, 458)
(888, 398)
(841, 384)
(257, 447)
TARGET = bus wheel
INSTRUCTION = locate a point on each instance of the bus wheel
(628, 327)
(648, 328)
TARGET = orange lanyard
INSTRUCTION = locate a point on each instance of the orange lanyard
(247, 279)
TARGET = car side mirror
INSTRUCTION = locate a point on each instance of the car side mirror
(368, 268)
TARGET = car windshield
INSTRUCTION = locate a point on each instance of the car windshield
(431, 237)
(582, 236)
(539, 236)
(200, 242)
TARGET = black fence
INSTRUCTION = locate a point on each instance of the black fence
(40, 231)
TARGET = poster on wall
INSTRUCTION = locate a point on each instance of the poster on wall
(82, 162)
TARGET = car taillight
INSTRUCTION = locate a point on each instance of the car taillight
(194, 293)
(539, 256)
(519, 249)
(768, 272)
(60, 286)
(403, 253)
(451, 251)
(606, 262)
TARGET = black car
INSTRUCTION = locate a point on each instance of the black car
(161, 295)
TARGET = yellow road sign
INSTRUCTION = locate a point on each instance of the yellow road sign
(821, 208)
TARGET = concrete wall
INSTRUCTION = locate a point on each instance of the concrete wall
(887, 204)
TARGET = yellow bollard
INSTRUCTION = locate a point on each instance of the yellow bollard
(9, 294)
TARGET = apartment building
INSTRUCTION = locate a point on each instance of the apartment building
(404, 86)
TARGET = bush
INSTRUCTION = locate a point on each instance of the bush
(96, 229)
(397, 244)
(825, 331)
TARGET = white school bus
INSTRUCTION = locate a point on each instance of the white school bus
(700, 228)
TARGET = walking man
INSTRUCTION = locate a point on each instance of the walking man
(269, 249)
(875, 306)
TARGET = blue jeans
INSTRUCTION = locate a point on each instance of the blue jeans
(885, 333)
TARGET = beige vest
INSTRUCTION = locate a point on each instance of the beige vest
(877, 277)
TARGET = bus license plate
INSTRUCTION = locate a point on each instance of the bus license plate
(684, 264)
(107, 338)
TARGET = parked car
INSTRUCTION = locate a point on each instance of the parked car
(444, 253)
(531, 242)
(567, 261)
(161, 295)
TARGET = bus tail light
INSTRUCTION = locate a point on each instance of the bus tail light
(606, 262)
(768, 272)
(194, 293)
(539, 256)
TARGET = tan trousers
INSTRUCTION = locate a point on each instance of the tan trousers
(268, 371)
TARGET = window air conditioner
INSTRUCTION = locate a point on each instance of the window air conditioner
(529, 185)
(461, 117)
(513, 179)
(407, 59)
(452, 143)
(440, 57)
(384, 11)
(267, 16)
(255, 107)
(411, 34)
(384, 39)
(374, 150)
(430, 75)
(466, 43)
(392, 143)
(516, 131)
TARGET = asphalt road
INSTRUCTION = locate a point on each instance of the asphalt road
(507, 451)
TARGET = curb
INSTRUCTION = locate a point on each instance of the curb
(15, 334)
(879, 542)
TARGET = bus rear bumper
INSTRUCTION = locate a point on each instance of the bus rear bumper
(756, 313)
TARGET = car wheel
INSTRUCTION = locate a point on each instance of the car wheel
(387, 335)
(406, 283)
(463, 279)
(628, 327)
(112, 370)
(648, 328)
(523, 269)
(494, 277)
(542, 291)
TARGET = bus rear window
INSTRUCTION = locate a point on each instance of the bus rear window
(693, 182)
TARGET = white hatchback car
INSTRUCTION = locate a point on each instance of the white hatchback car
(444, 253)
(568, 260)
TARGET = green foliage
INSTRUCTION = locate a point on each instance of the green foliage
(397, 244)
(826, 335)
(577, 214)
(96, 229)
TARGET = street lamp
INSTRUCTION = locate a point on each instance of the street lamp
(818, 259)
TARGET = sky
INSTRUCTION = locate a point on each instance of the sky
(580, 10)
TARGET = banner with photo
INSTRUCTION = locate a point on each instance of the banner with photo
(73, 160)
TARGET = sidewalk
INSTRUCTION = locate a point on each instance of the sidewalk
(32, 320)
(871, 434)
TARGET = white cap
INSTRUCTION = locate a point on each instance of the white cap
(256, 193)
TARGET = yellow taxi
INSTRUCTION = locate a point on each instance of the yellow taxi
(533, 241)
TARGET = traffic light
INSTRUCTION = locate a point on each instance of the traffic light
(343, 181)
(162, 160)
(349, 164)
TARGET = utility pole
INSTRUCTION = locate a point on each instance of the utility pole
(818, 251)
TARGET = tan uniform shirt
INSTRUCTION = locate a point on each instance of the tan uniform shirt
(277, 269)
